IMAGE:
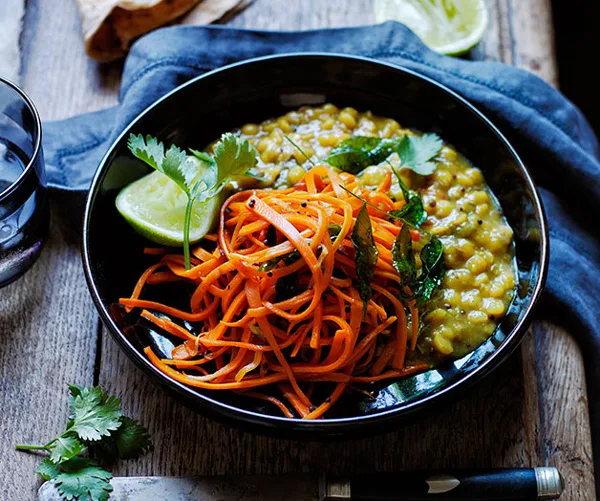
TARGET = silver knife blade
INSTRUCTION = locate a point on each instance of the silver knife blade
(225, 488)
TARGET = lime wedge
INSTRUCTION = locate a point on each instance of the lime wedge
(450, 27)
(155, 207)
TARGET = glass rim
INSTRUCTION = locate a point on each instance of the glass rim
(37, 133)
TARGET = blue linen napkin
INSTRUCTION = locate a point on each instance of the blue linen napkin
(559, 146)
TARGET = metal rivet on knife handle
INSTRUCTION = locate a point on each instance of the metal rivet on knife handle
(550, 483)
(334, 489)
(438, 484)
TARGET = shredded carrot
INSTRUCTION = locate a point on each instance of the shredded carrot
(276, 302)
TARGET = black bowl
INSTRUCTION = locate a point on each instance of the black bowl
(199, 111)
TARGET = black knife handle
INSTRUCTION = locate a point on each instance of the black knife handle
(526, 484)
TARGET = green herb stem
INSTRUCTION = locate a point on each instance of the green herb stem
(300, 150)
(24, 447)
(186, 233)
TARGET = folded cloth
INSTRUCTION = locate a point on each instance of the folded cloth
(558, 144)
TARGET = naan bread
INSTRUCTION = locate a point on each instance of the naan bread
(110, 26)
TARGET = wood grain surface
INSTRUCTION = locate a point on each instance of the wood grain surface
(532, 411)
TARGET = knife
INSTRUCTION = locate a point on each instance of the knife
(527, 484)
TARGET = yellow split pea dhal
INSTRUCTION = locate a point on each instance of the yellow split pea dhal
(479, 282)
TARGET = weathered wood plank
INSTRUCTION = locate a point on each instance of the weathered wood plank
(565, 412)
(57, 73)
(555, 375)
(48, 329)
(48, 324)
(304, 14)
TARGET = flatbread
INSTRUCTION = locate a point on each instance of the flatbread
(110, 26)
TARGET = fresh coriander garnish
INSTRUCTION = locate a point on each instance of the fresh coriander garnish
(200, 175)
(96, 426)
(365, 255)
(416, 152)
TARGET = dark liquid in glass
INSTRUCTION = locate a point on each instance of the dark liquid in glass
(24, 223)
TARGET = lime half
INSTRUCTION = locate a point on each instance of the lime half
(155, 207)
(449, 27)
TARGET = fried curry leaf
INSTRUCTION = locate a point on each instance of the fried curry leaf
(271, 264)
(432, 272)
(403, 257)
(365, 254)
(358, 152)
(413, 212)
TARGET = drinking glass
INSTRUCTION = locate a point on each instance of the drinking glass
(24, 213)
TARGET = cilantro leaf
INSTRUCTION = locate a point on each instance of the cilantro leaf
(83, 480)
(176, 167)
(75, 390)
(416, 152)
(64, 448)
(129, 441)
(94, 414)
(365, 254)
(199, 175)
(403, 257)
(47, 469)
(359, 152)
(150, 150)
(232, 158)
(132, 439)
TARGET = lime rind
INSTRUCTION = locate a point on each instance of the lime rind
(154, 206)
(451, 27)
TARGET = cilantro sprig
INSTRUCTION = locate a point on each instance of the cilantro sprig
(200, 175)
(97, 427)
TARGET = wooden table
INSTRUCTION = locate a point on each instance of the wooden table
(532, 411)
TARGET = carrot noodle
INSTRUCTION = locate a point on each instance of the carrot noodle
(275, 307)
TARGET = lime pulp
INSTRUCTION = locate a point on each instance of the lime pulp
(155, 207)
(450, 27)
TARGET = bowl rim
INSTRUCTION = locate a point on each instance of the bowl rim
(333, 426)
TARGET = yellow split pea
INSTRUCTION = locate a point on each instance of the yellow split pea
(480, 279)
